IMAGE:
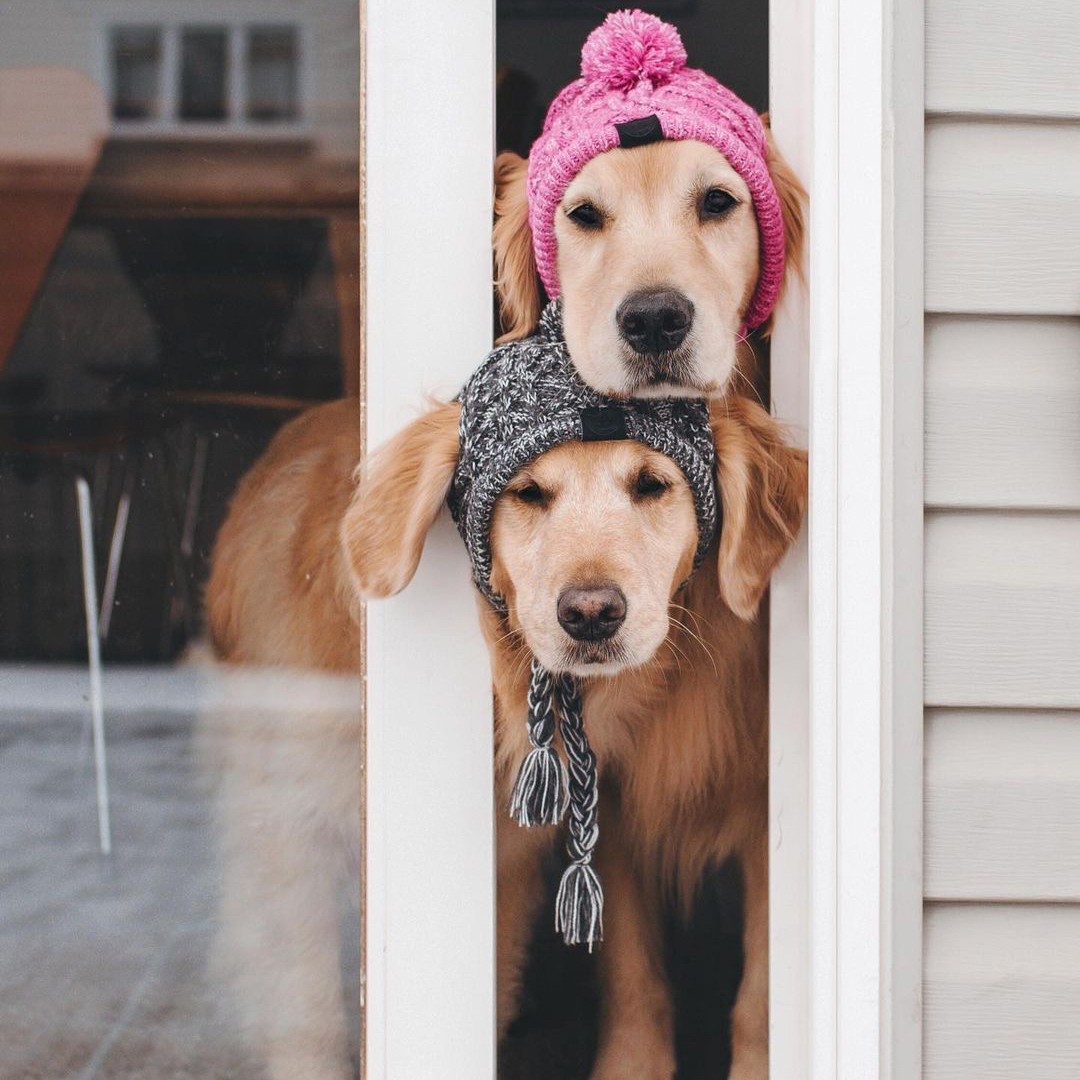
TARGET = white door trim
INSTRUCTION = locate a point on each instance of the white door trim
(429, 895)
(846, 666)
(846, 97)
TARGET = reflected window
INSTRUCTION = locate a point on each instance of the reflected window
(239, 78)
(136, 53)
(204, 69)
(272, 73)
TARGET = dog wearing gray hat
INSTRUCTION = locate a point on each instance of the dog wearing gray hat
(621, 549)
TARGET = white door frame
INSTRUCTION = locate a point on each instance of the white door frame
(429, 888)
(846, 98)
(846, 752)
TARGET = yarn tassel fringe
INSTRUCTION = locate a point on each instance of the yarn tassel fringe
(579, 906)
(541, 792)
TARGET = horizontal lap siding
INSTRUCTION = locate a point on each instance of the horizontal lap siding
(1003, 217)
(1004, 57)
(1002, 813)
(1002, 622)
(1002, 536)
(1002, 992)
(1003, 412)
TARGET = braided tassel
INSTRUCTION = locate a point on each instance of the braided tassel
(540, 793)
(579, 906)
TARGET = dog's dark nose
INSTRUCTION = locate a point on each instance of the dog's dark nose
(655, 320)
(591, 613)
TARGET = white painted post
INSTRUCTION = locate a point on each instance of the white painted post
(789, 617)
(846, 969)
(430, 871)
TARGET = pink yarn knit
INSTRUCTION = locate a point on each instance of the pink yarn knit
(634, 66)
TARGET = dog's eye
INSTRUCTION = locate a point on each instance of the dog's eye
(647, 485)
(586, 215)
(716, 203)
(530, 493)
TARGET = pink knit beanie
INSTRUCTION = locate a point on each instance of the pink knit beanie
(635, 88)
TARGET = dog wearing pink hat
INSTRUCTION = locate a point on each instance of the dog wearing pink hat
(656, 209)
(654, 223)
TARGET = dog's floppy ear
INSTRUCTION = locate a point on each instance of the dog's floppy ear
(516, 280)
(792, 197)
(762, 484)
(400, 490)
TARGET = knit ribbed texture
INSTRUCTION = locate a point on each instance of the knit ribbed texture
(526, 398)
(633, 66)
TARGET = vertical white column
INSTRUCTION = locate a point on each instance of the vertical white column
(902, 571)
(865, 541)
(860, 527)
(824, 570)
(429, 889)
(790, 110)
(846, 759)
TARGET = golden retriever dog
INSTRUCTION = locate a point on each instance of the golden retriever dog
(678, 724)
(636, 241)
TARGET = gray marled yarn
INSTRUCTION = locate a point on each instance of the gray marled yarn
(579, 905)
(542, 790)
(526, 398)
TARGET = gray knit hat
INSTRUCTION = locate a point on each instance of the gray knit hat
(525, 399)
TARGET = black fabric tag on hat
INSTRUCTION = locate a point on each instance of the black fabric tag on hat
(601, 424)
(639, 132)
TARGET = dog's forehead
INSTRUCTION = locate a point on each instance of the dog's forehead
(588, 464)
(681, 163)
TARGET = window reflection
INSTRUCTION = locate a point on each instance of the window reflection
(204, 62)
(273, 61)
(180, 270)
(136, 60)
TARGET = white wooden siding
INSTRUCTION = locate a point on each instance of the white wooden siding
(1002, 992)
(1003, 217)
(1003, 610)
(1002, 811)
(1003, 412)
(1001, 979)
(1004, 57)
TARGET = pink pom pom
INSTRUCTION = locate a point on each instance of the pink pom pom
(632, 46)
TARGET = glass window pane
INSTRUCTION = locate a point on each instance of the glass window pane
(136, 62)
(273, 56)
(204, 65)
(169, 304)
